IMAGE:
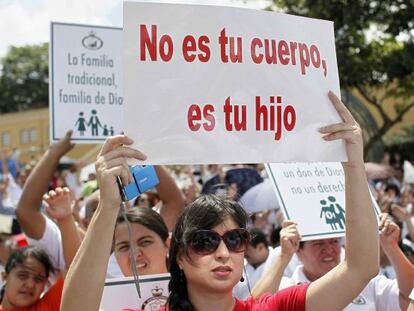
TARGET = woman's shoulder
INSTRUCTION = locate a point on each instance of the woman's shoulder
(291, 298)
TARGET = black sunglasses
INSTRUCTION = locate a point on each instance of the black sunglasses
(204, 242)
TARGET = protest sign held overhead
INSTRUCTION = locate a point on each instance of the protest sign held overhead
(207, 84)
(313, 195)
(86, 82)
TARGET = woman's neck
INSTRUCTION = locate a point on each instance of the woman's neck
(203, 300)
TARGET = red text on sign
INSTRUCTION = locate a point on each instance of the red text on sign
(271, 51)
(235, 115)
(149, 43)
(197, 117)
(191, 48)
(274, 117)
(230, 48)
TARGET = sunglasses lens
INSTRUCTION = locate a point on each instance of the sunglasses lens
(236, 240)
(205, 242)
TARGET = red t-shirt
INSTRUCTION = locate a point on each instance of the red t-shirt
(289, 299)
(49, 302)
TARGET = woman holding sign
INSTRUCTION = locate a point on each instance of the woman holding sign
(209, 240)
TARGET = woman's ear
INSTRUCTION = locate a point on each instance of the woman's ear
(180, 259)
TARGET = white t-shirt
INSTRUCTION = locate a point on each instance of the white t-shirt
(273, 255)
(51, 242)
(412, 294)
(388, 272)
(381, 294)
(241, 290)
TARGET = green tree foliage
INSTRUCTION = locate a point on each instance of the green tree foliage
(375, 50)
(24, 78)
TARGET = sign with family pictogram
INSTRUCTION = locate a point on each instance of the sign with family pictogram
(313, 195)
(85, 82)
(228, 85)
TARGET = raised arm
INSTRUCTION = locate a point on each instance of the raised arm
(28, 212)
(289, 241)
(341, 285)
(59, 208)
(171, 197)
(92, 257)
(389, 237)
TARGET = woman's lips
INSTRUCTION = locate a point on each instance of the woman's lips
(222, 271)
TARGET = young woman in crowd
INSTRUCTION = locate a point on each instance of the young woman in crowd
(43, 232)
(108, 230)
(209, 240)
(28, 269)
(150, 235)
(26, 274)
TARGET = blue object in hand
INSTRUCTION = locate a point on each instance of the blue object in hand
(145, 178)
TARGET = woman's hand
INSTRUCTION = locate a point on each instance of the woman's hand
(348, 130)
(289, 238)
(59, 203)
(389, 232)
(111, 163)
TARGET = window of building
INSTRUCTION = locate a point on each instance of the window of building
(33, 135)
(5, 139)
(24, 136)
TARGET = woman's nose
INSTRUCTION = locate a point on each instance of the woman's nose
(222, 251)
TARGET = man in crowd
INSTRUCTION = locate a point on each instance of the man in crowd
(318, 257)
(256, 254)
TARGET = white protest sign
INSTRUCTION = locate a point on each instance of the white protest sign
(313, 195)
(207, 84)
(85, 82)
(121, 295)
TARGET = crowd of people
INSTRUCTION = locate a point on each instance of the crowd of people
(221, 254)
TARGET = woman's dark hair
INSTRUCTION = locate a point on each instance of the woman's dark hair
(148, 218)
(18, 257)
(206, 212)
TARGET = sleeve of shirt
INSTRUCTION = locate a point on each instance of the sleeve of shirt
(291, 298)
(51, 243)
(386, 294)
(412, 295)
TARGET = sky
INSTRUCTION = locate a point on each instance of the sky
(28, 21)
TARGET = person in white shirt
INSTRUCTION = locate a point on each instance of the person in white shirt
(256, 255)
(318, 257)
